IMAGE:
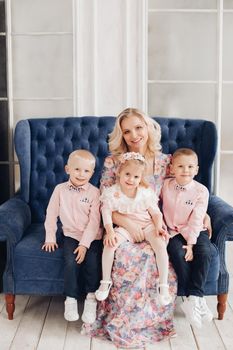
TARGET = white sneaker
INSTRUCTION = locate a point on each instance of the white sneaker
(206, 314)
(89, 312)
(191, 309)
(71, 309)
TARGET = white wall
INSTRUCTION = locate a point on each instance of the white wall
(81, 57)
(109, 44)
(190, 71)
(42, 66)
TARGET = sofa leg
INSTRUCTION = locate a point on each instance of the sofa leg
(10, 305)
(221, 307)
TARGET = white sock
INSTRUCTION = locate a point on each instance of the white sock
(90, 296)
(70, 299)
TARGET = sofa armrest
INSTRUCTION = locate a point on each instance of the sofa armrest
(15, 217)
(221, 215)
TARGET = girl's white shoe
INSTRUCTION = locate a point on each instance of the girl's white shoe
(164, 297)
(103, 294)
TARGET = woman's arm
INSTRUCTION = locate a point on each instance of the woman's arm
(108, 176)
(134, 230)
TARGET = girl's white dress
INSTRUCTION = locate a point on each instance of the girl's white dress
(136, 209)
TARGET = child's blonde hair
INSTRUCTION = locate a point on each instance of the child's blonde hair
(133, 158)
(82, 154)
(117, 144)
(184, 152)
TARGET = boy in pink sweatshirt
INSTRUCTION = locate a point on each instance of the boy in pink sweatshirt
(76, 202)
(184, 204)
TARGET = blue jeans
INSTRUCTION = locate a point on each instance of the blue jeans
(81, 278)
(192, 274)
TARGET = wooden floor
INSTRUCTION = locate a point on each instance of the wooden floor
(39, 324)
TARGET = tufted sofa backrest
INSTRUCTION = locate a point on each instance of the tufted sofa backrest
(43, 146)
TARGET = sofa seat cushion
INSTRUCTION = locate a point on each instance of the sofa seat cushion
(41, 270)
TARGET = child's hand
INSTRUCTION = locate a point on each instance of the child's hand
(81, 253)
(49, 247)
(158, 232)
(110, 239)
(189, 252)
(207, 225)
(162, 232)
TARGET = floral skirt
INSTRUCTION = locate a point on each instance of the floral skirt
(131, 316)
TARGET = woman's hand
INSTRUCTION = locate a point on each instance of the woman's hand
(81, 253)
(137, 233)
(207, 225)
(49, 247)
(134, 230)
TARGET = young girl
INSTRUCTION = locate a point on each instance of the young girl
(132, 197)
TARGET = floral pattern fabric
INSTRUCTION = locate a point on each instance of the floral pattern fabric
(131, 316)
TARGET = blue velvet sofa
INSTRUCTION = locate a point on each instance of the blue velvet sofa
(42, 147)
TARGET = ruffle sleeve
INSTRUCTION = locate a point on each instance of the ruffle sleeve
(115, 200)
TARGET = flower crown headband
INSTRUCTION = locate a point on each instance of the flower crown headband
(131, 156)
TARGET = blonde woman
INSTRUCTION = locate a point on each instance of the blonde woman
(132, 314)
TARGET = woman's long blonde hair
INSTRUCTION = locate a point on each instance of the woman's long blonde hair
(117, 144)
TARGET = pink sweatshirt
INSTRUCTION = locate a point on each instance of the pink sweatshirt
(184, 208)
(79, 212)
